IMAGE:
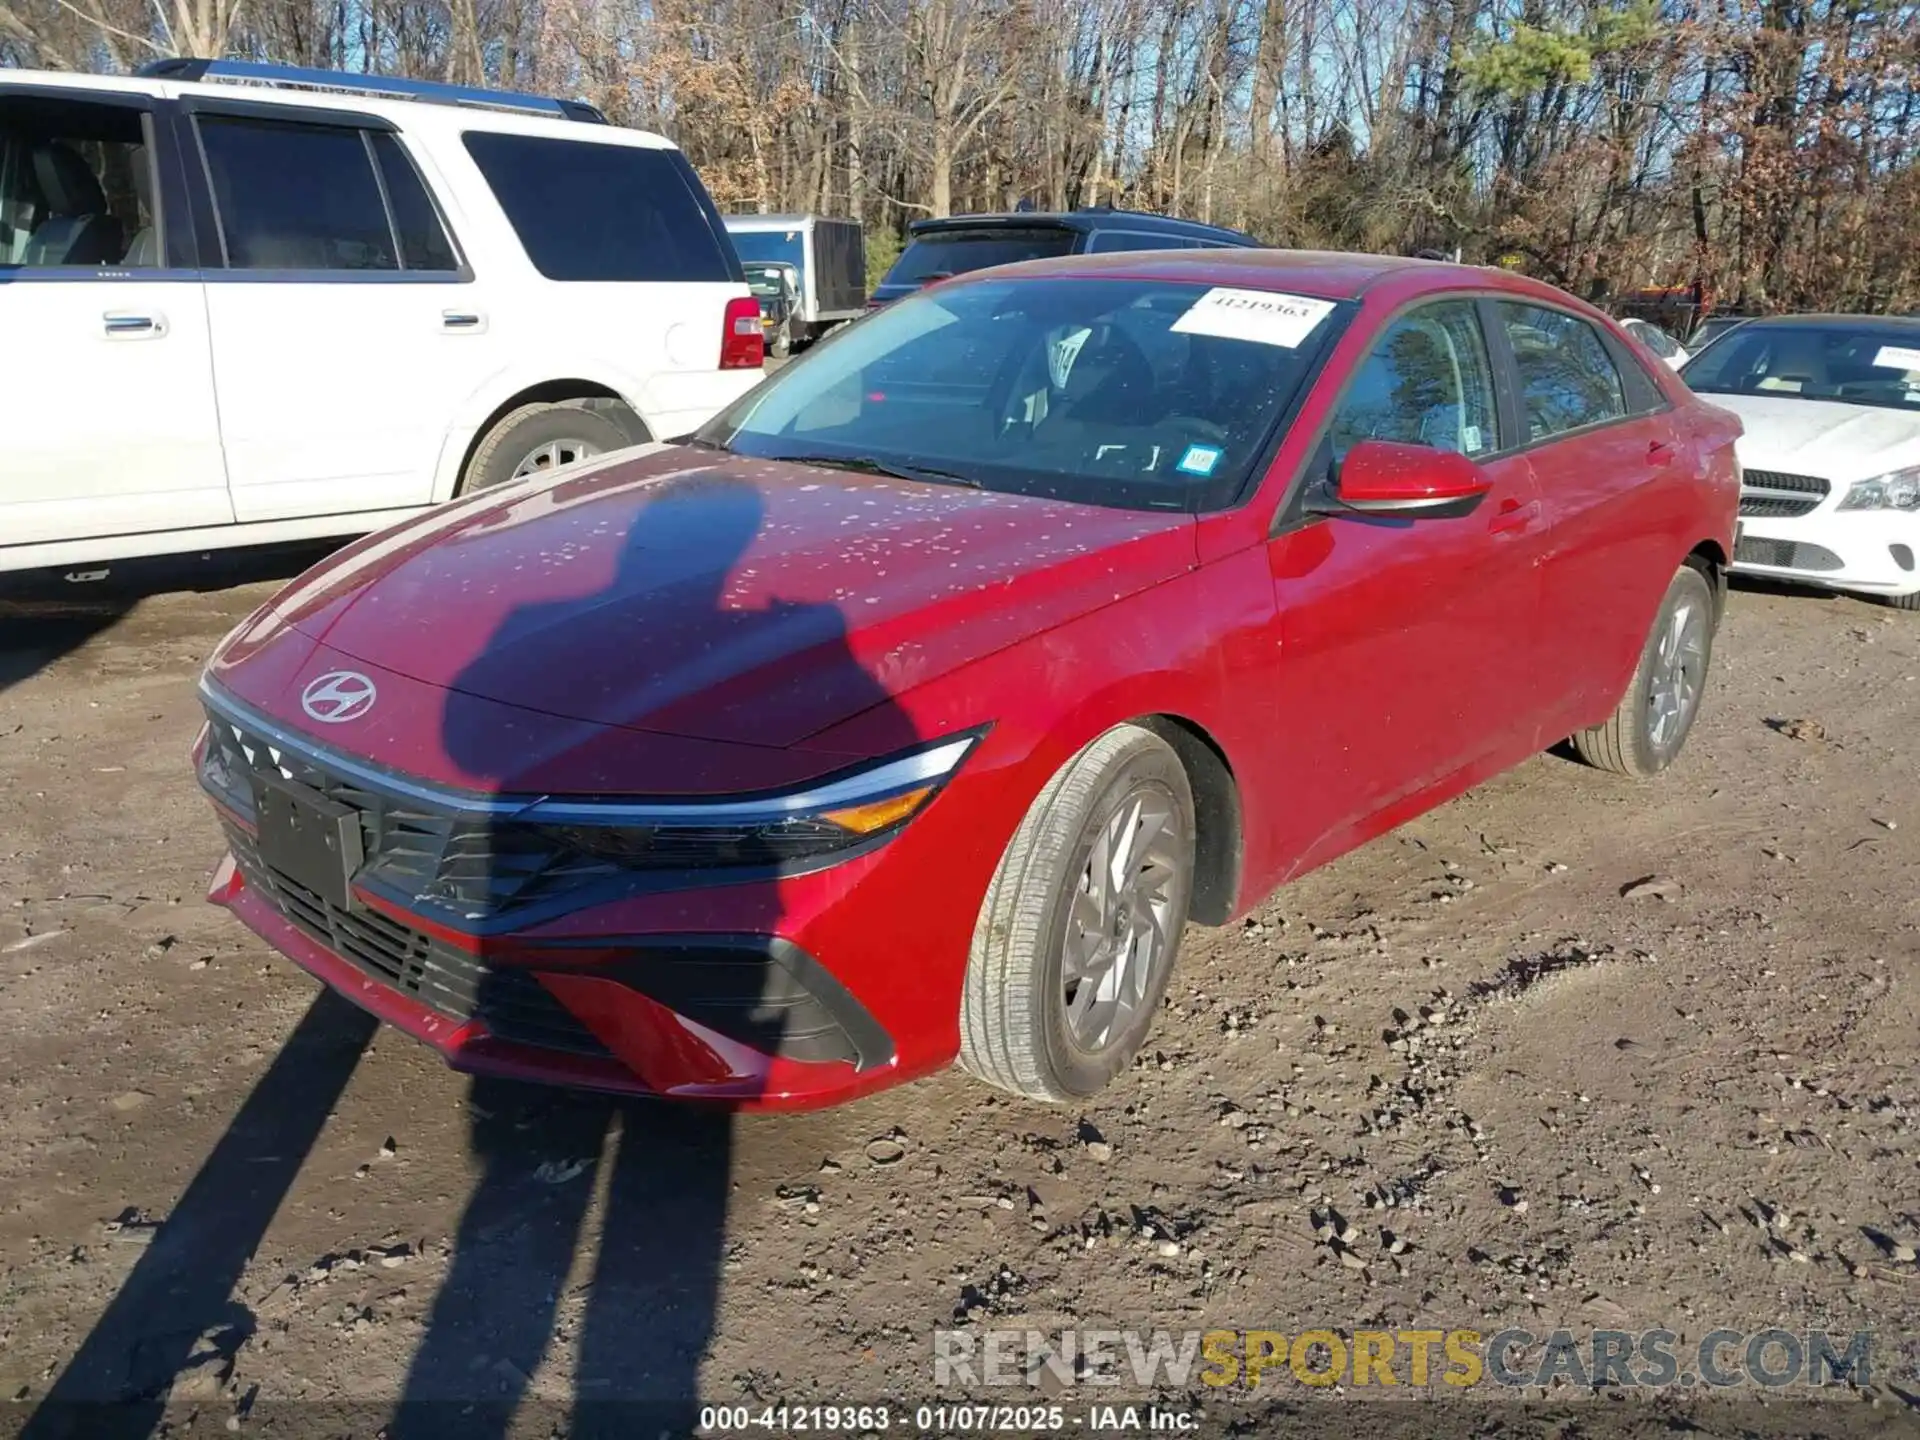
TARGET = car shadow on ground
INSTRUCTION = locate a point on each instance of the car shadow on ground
(44, 615)
(658, 1174)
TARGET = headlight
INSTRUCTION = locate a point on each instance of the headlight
(805, 824)
(1897, 491)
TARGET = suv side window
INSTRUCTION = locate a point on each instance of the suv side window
(1568, 378)
(1107, 241)
(424, 244)
(647, 222)
(294, 196)
(1428, 381)
(76, 185)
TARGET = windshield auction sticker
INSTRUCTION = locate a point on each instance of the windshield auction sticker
(1891, 357)
(1262, 316)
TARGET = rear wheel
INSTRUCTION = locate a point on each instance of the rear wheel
(537, 438)
(1081, 924)
(1645, 733)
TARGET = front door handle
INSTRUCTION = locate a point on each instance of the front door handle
(1512, 516)
(466, 322)
(125, 325)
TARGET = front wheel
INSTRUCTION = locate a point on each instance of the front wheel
(1082, 921)
(1644, 735)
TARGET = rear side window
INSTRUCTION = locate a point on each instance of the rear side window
(587, 211)
(423, 239)
(1567, 375)
(1107, 241)
(296, 196)
(955, 252)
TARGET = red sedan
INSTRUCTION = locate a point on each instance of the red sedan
(912, 708)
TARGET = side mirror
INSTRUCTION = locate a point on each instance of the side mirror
(1405, 482)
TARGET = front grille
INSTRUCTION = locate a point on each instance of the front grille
(1785, 554)
(1775, 494)
(512, 1004)
(471, 867)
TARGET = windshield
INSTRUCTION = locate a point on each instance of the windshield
(767, 282)
(776, 245)
(1130, 393)
(955, 252)
(1856, 362)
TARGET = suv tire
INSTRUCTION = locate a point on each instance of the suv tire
(536, 438)
(1028, 1022)
(1644, 735)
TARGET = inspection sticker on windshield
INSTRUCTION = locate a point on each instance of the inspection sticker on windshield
(1262, 316)
(1200, 459)
(1891, 357)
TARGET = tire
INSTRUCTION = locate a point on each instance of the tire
(782, 345)
(562, 433)
(1644, 735)
(1902, 602)
(1017, 1025)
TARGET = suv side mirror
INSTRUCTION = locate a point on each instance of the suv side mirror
(1405, 482)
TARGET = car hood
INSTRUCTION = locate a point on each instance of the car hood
(686, 593)
(1822, 437)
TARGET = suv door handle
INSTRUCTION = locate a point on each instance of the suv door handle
(1512, 516)
(125, 325)
(465, 321)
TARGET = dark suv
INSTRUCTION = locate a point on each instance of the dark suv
(956, 244)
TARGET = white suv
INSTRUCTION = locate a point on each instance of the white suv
(243, 304)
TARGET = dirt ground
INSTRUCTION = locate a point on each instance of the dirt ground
(1568, 1052)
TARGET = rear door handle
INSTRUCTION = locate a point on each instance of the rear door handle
(465, 321)
(1513, 516)
(125, 325)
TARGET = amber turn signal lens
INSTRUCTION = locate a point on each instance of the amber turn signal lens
(878, 814)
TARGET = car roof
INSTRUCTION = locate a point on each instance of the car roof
(1897, 322)
(1323, 274)
(409, 114)
(1091, 219)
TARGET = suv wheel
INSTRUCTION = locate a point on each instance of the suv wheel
(1082, 922)
(1644, 735)
(537, 438)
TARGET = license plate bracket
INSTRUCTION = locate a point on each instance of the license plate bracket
(313, 841)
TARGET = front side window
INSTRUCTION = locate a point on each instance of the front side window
(293, 196)
(1567, 376)
(76, 186)
(1129, 393)
(1427, 382)
(1856, 361)
(590, 210)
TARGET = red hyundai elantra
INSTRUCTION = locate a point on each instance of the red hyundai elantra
(912, 708)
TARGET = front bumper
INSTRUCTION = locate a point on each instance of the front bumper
(711, 992)
(1873, 551)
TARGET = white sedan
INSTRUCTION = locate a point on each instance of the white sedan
(1831, 453)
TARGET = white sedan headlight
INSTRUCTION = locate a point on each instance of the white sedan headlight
(1897, 491)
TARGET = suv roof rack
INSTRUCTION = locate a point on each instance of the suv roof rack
(387, 87)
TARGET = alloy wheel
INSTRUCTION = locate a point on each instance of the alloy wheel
(1678, 672)
(554, 454)
(1118, 930)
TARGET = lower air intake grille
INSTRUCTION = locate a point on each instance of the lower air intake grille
(1785, 555)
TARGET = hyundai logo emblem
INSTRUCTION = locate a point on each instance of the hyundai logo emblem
(338, 696)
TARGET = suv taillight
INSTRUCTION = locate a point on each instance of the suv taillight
(743, 346)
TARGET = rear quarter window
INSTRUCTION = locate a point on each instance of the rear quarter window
(589, 211)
